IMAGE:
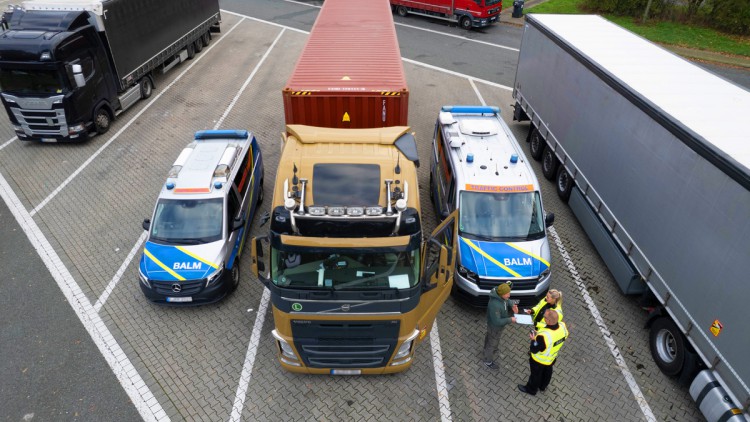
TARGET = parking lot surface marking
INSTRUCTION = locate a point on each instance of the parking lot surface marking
(142, 397)
(118, 275)
(8, 142)
(640, 399)
(437, 362)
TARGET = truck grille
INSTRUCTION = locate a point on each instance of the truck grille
(42, 122)
(189, 287)
(345, 344)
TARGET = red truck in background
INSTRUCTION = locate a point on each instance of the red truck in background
(467, 13)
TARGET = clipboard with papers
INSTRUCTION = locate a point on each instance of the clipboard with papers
(524, 319)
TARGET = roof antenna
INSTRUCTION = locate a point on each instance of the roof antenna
(398, 167)
(295, 180)
(497, 172)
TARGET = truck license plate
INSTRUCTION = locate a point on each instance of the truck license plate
(180, 299)
(346, 371)
(49, 140)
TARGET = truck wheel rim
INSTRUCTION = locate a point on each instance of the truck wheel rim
(562, 182)
(665, 346)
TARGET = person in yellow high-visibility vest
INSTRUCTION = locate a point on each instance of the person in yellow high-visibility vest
(553, 300)
(545, 345)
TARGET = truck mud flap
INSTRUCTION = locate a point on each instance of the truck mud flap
(623, 272)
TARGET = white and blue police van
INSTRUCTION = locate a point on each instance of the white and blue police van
(201, 219)
(478, 167)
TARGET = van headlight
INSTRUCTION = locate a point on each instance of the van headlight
(215, 276)
(544, 274)
(467, 274)
(143, 278)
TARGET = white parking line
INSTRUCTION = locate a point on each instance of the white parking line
(639, 398)
(476, 91)
(426, 30)
(437, 363)
(118, 275)
(139, 393)
(127, 125)
(8, 142)
(247, 367)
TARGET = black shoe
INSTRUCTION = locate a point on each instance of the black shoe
(523, 389)
(491, 365)
(542, 389)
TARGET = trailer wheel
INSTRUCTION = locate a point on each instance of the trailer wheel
(102, 120)
(206, 39)
(536, 144)
(564, 183)
(236, 274)
(198, 45)
(549, 164)
(146, 87)
(401, 10)
(466, 22)
(190, 51)
(667, 346)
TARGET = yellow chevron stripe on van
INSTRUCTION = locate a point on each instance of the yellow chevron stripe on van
(164, 267)
(491, 259)
(528, 253)
(205, 261)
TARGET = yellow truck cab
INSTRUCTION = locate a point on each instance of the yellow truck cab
(353, 286)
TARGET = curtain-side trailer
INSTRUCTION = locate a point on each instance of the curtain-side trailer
(651, 153)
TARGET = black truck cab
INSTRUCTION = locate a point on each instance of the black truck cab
(56, 79)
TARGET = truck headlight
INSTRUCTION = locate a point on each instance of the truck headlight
(215, 276)
(405, 349)
(143, 278)
(467, 274)
(76, 129)
(287, 353)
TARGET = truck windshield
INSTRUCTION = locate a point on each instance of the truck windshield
(345, 271)
(30, 81)
(491, 2)
(501, 216)
(187, 222)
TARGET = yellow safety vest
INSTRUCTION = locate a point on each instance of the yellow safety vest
(554, 340)
(536, 309)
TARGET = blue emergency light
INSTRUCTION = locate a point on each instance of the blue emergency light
(221, 134)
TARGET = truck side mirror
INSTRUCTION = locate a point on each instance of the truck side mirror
(78, 75)
(549, 219)
(146, 224)
(257, 266)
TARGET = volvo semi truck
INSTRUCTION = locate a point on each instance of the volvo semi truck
(651, 153)
(68, 67)
(354, 286)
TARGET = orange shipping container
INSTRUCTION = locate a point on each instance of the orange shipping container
(350, 73)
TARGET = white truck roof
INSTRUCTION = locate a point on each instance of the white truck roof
(94, 6)
(714, 109)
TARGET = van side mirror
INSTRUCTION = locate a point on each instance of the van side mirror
(78, 75)
(146, 224)
(238, 223)
(549, 219)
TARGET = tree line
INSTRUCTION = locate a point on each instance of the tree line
(731, 16)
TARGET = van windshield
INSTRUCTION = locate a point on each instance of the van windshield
(343, 270)
(30, 81)
(187, 222)
(501, 216)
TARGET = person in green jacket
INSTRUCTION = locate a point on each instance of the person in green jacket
(500, 312)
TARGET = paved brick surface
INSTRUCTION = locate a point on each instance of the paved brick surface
(191, 358)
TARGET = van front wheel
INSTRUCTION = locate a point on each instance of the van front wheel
(235, 274)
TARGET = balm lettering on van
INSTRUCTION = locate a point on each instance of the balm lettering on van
(517, 261)
(187, 266)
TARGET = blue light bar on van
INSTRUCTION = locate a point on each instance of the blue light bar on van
(471, 109)
(221, 134)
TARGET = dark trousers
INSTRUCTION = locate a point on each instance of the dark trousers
(491, 342)
(539, 377)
